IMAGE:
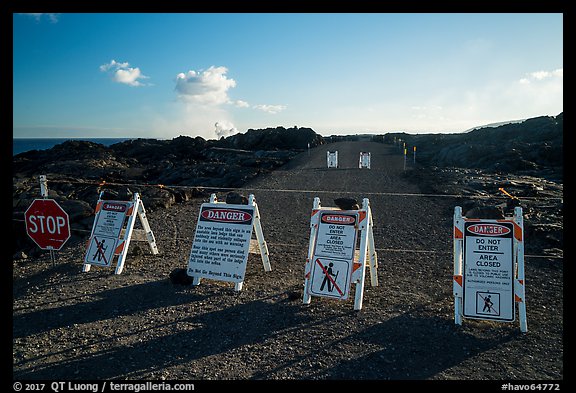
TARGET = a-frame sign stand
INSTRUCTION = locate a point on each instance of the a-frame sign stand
(112, 231)
(334, 263)
(489, 268)
(223, 240)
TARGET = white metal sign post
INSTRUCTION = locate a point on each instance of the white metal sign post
(333, 262)
(112, 231)
(223, 240)
(364, 161)
(489, 268)
(332, 159)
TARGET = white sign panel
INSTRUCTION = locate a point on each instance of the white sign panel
(336, 235)
(332, 159)
(364, 160)
(221, 242)
(488, 276)
(110, 218)
(333, 255)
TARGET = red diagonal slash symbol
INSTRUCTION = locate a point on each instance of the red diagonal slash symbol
(99, 250)
(329, 277)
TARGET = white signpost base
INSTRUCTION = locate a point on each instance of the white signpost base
(334, 263)
(488, 276)
(222, 243)
(112, 231)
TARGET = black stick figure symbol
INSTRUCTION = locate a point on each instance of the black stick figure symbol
(327, 280)
(100, 249)
(487, 304)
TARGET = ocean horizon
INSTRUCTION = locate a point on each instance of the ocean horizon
(21, 145)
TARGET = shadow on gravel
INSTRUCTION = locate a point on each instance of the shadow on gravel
(411, 347)
(100, 306)
(193, 338)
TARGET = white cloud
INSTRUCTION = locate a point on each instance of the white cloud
(123, 73)
(208, 87)
(241, 104)
(224, 128)
(542, 75)
(273, 109)
(38, 16)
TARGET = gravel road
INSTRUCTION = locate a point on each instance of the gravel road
(69, 324)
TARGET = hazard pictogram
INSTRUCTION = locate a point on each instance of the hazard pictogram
(100, 251)
(488, 303)
(330, 278)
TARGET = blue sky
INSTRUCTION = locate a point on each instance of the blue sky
(162, 75)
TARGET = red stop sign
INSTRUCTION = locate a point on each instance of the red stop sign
(47, 224)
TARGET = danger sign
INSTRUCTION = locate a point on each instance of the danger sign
(341, 247)
(336, 235)
(488, 269)
(113, 230)
(221, 242)
(110, 218)
(334, 255)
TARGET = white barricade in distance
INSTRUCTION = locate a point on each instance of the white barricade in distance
(332, 159)
(364, 161)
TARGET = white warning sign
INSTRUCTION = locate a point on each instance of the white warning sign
(336, 235)
(221, 242)
(488, 270)
(110, 218)
(333, 255)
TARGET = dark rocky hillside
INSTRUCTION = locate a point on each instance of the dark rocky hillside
(532, 147)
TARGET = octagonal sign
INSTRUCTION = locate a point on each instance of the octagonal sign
(47, 224)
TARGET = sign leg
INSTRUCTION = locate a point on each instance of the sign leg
(306, 298)
(373, 257)
(149, 234)
(128, 235)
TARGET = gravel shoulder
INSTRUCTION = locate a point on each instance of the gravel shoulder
(69, 324)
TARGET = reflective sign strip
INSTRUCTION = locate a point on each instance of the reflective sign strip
(458, 279)
(520, 288)
(458, 233)
(119, 248)
(356, 266)
(98, 207)
(361, 215)
(517, 232)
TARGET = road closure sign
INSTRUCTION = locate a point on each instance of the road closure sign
(106, 232)
(333, 256)
(488, 279)
(221, 242)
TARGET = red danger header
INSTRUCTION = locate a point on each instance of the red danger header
(227, 215)
(488, 229)
(116, 207)
(339, 219)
